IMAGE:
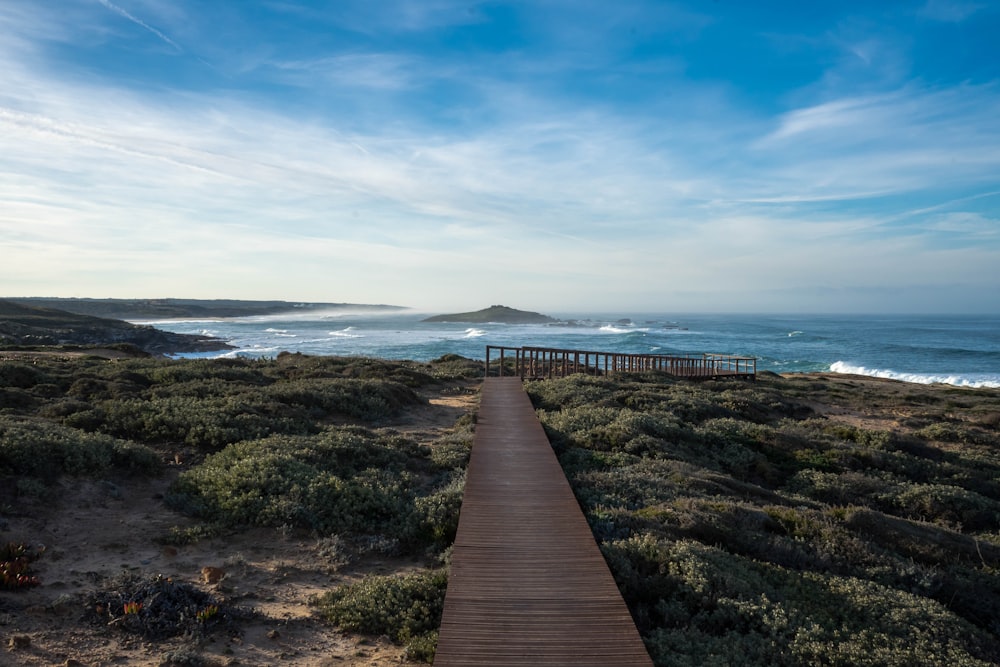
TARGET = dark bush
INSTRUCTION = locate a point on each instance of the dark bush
(46, 451)
(22, 376)
(158, 608)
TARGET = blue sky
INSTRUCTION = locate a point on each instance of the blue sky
(553, 155)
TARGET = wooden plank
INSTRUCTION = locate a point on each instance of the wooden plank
(528, 584)
(550, 361)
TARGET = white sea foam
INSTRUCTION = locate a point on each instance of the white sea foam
(280, 333)
(215, 354)
(254, 351)
(610, 328)
(973, 380)
(474, 333)
(346, 333)
(792, 334)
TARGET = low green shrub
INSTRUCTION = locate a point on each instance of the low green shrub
(702, 605)
(344, 480)
(841, 489)
(742, 528)
(407, 609)
(205, 423)
(22, 376)
(436, 514)
(456, 367)
(958, 432)
(632, 485)
(366, 399)
(15, 399)
(612, 429)
(453, 450)
(60, 409)
(948, 505)
(231, 371)
(45, 451)
(569, 392)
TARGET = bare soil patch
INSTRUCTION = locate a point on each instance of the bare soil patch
(883, 414)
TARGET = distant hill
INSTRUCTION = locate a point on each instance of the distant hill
(501, 314)
(26, 325)
(165, 309)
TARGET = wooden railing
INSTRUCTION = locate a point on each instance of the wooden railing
(544, 362)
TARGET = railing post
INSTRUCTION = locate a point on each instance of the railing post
(550, 362)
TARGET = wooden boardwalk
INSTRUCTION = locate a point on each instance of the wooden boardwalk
(528, 584)
(545, 362)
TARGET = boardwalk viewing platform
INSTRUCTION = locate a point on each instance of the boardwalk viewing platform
(544, 362)
(528, 584)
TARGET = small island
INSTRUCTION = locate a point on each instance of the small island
(501, 314)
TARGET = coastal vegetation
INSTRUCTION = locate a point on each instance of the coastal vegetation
(294, 445)
(809, 519)
(799, 520)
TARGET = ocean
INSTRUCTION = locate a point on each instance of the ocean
(957, 350)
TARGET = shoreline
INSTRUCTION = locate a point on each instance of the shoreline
(879, 378)
(235, 352)
(921, 350)
(113, 354)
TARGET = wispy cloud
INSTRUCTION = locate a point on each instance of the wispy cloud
(142, 24)
(386, 72)
(951, 11)
(973, 227)
(911, 139)
(859, 114)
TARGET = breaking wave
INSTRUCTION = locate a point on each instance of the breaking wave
(976, 380)
(610, 328)
(346, 333)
